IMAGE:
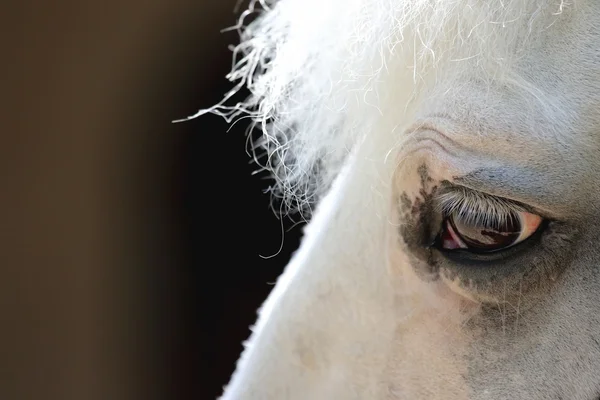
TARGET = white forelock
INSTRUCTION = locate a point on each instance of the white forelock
(321, 71)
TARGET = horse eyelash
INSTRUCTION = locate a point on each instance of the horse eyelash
(476, 208)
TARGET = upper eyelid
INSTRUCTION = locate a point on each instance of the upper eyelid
(546, 214)
(460, 194)
(515, 184)
(477, 205)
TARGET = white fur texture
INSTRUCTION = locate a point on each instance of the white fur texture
(321, 71)
(343, 85)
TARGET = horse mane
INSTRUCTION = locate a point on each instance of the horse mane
(322, 72)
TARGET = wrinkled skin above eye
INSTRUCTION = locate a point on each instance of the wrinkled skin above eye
(459, 232)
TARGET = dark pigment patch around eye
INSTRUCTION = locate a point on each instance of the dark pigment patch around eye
(418, 225)
(522, 274)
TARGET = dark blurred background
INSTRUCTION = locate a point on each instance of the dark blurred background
(130, 246)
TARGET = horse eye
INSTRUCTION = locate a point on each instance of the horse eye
(459, 233)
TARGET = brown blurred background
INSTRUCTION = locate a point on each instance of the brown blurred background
(130, 246)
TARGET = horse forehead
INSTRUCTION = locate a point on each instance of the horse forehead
(554, 108)
(550, 90)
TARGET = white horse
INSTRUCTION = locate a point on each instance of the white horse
(454, 150)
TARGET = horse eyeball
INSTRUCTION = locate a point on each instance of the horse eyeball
(459, 233)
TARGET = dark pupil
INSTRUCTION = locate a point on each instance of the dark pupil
(481, 237)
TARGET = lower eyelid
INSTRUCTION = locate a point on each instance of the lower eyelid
(529, 266)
